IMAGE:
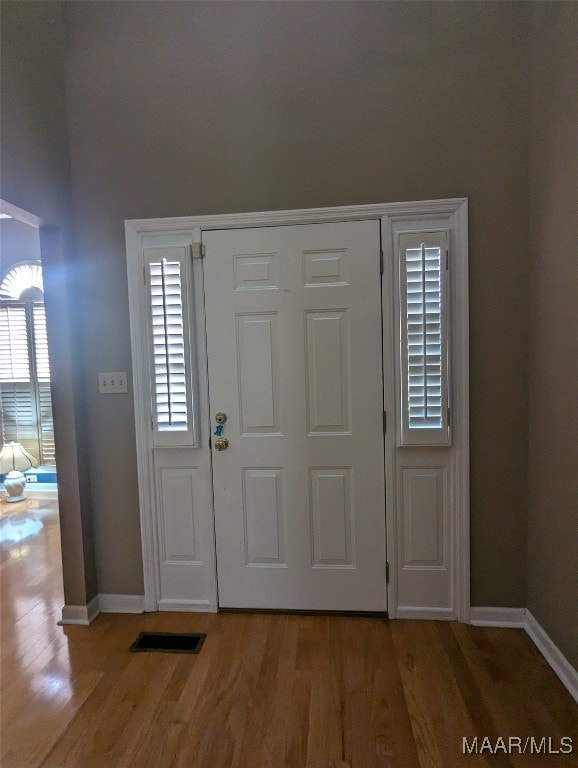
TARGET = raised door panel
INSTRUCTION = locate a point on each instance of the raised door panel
(325, 268)
(254, 271)
(258, 373)
(328, 370)
(176, 521)
(423, 517)
(264, 521)
(331, 505)
(424, 541)
(184, 532)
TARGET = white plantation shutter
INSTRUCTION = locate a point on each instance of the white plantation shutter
(46, 424)
(14, 356)
(424, 338)
(19, 415)
(17, 395)
(20, 278)
(166, 271)
(43, 392)
(40, 342)
(25, 379)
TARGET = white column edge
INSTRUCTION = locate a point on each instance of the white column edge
(81, 615)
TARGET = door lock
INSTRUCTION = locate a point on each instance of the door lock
(220, 418)
(221, 444)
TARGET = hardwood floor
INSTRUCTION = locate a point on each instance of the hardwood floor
(266, 691)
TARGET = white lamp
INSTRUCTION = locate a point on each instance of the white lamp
(13, 461)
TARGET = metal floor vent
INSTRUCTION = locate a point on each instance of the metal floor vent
(168, 642)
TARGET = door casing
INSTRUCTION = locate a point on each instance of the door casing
(189, 229)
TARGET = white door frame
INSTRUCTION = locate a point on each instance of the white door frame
(191, 228)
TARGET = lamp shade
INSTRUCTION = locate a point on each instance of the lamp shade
(13, 456)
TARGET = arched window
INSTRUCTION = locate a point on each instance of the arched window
(23, 280)
(24, 369)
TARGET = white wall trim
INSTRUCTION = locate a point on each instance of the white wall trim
(191, 606)
(298, 216)
(553, 655)
(450, 216)
(121, 603)
(455, 209)
(425, 614)
(141, 391)
(521, 618)
(460, 363)
(82, 615)
(498, 617)
(20, 214)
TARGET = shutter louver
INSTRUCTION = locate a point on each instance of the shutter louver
(46, 424)
(40, 343)
(423, 339)
(17, 393)
(14, 357)
(25, 380)
(19, 415)
(171, 368)
(45, 419)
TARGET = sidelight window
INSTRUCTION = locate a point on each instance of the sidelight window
(170, 349)
(423, 278)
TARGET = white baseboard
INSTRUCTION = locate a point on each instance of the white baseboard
(80, 614)
(192, 606)
(427, 614)
(553, 655)
(522, 618)
(498, 617)
(121, 603)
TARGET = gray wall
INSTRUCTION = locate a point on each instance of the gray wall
(36, 178)
(553, 419)
(191, 108)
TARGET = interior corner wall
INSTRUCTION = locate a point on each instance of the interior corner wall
(194, 108)
(553, 418)
(36, 177)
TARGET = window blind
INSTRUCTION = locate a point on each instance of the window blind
(25, 379)
(423, 343)
(14, 355)
(43, 391)
(46, 423)
(16, 387)
(40, 342)
(19, 414)
(171, 369)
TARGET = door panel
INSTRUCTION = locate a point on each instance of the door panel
(294, 349)
(258, 372)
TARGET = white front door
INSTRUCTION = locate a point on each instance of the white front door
(294, 341)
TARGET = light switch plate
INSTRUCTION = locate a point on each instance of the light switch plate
(112, 382)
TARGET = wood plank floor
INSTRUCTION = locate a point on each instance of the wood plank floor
(266, 691)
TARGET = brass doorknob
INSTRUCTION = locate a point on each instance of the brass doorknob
(221, 444)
